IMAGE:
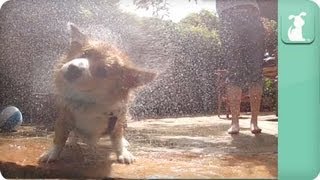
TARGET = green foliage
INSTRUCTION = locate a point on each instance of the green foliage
(212, 35)
(159, 7)
(203, 23)
(203, 19)
(270, 98)
(271, 34)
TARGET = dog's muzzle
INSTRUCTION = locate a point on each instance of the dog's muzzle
(74, 69)
(72, 73)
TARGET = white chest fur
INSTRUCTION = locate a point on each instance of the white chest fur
(91, 115)
(93, 120)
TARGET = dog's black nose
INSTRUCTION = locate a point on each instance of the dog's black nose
(73, 73)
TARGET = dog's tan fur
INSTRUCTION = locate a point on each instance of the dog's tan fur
(95, 103)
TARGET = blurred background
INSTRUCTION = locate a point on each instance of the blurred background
(177, 39)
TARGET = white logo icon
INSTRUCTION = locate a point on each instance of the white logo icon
(318, 177)
(295, 30)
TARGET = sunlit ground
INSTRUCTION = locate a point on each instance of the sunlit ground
(197, 147)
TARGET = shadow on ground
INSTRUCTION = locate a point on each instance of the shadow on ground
(75, 162)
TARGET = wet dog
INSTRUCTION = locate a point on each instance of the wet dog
(92, 83)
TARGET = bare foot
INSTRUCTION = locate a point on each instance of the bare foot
(234, 129)
(255, 129)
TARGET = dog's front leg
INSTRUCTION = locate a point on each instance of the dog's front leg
(119, 144)
(62, 130)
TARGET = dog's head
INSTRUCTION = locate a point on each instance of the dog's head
(97, 69)
(298, 20)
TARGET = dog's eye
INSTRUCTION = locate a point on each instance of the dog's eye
(92, 54)
(85, 54)
(101, 72)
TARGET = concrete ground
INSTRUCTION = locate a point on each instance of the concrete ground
(191, 147)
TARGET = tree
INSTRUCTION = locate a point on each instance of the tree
(271, 34)
(204, 19)
(268, 8)
(159, 7)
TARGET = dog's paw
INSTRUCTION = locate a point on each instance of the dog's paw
(51, 155)
(48, 157)
(125, 157)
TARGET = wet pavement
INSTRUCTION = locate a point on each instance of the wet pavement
(192, 147)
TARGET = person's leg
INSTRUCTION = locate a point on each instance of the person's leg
(234, 96)
(232, 61)
(254, 59)
(255, 92)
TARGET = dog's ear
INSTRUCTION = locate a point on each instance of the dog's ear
(291, 17)
(303, 14)
(134, 77)
(77, 37)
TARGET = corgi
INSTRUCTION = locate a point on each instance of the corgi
(92, 84)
